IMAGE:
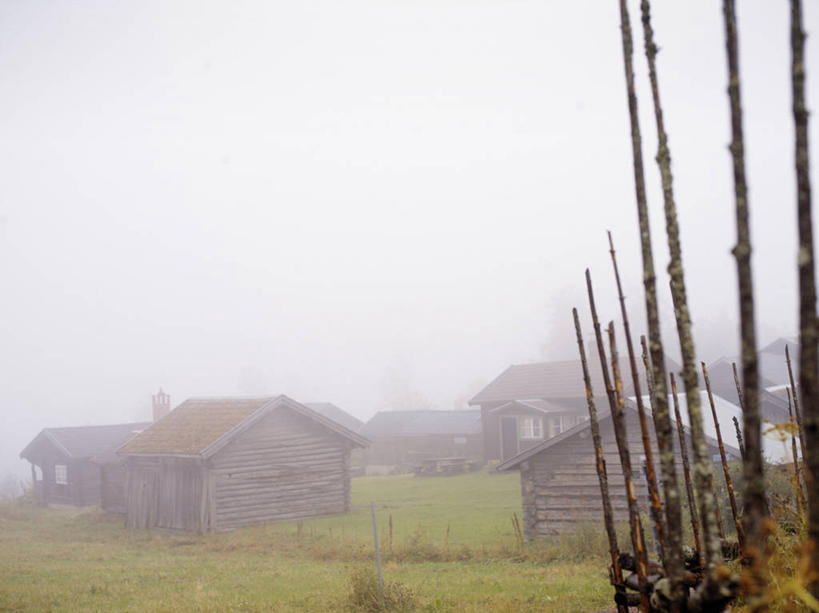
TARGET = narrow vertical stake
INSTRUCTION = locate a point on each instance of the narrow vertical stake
(800, 493)
(377, 552)
(728, 483)
(796, 405)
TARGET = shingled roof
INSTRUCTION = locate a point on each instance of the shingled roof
(721, 375)
(563, 379)
(422, 423)
(200, 425)
(331, 411)
(85, 441)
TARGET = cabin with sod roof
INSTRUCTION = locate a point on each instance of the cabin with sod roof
(215, 464)
(558, 477)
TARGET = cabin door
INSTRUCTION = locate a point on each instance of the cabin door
(509, 437)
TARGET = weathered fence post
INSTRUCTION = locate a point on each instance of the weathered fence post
(377, 551)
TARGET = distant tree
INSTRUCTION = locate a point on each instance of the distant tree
(398, 392)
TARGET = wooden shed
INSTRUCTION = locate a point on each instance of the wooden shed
(402, 439)
(220, 463)
(63, 470)
(559, 483)
(528, 403)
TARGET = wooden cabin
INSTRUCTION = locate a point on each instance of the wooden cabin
(559, 483)
(64, 470)
(403, 439)
(219, 463)
(525, 423)
(529, 403)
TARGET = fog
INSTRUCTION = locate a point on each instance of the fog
(376, 204)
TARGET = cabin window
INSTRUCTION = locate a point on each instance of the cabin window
(38, 473)
(459, 440)
(60, 474)
(531, 427)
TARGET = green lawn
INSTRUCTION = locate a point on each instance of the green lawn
(453, 545)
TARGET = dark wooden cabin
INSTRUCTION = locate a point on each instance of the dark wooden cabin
(402, 439)
(528, 403)
(219, 463)
(63, 466)
(559, 483)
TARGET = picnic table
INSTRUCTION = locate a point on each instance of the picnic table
(442, 466)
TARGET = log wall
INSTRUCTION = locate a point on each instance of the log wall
(560, 488)
(285, 466)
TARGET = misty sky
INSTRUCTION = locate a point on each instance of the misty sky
(359, 202)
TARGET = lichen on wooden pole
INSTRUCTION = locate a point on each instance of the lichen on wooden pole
(662, 421)
(755, 507)
(738, 430)
(618, 418)
(600, 463)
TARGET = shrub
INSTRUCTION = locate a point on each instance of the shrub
(365, 595)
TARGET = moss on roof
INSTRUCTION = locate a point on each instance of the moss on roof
(194, 425)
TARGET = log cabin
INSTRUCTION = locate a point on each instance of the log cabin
(529, 403)
(402, 439)
(559, 484)
(214, 464)
(64, 467)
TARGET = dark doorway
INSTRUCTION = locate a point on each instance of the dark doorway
(509, 437)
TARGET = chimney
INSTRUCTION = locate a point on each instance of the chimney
(162, 404)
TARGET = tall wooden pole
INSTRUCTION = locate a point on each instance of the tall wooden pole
(808, 327)
(728, 481)
(741, 399)
(739, 437)
(625, 460)
(651, 476)
(618, 418)
(797, 412)
(662, 421)
(602, 476)
(800, 493)
(689, 488)
(755, 506)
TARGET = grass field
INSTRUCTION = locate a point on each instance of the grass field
(453, 546)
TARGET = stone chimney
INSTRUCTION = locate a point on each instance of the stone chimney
(162, 404)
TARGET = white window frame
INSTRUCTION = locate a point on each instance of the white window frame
(530, 428)
(61, 474)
